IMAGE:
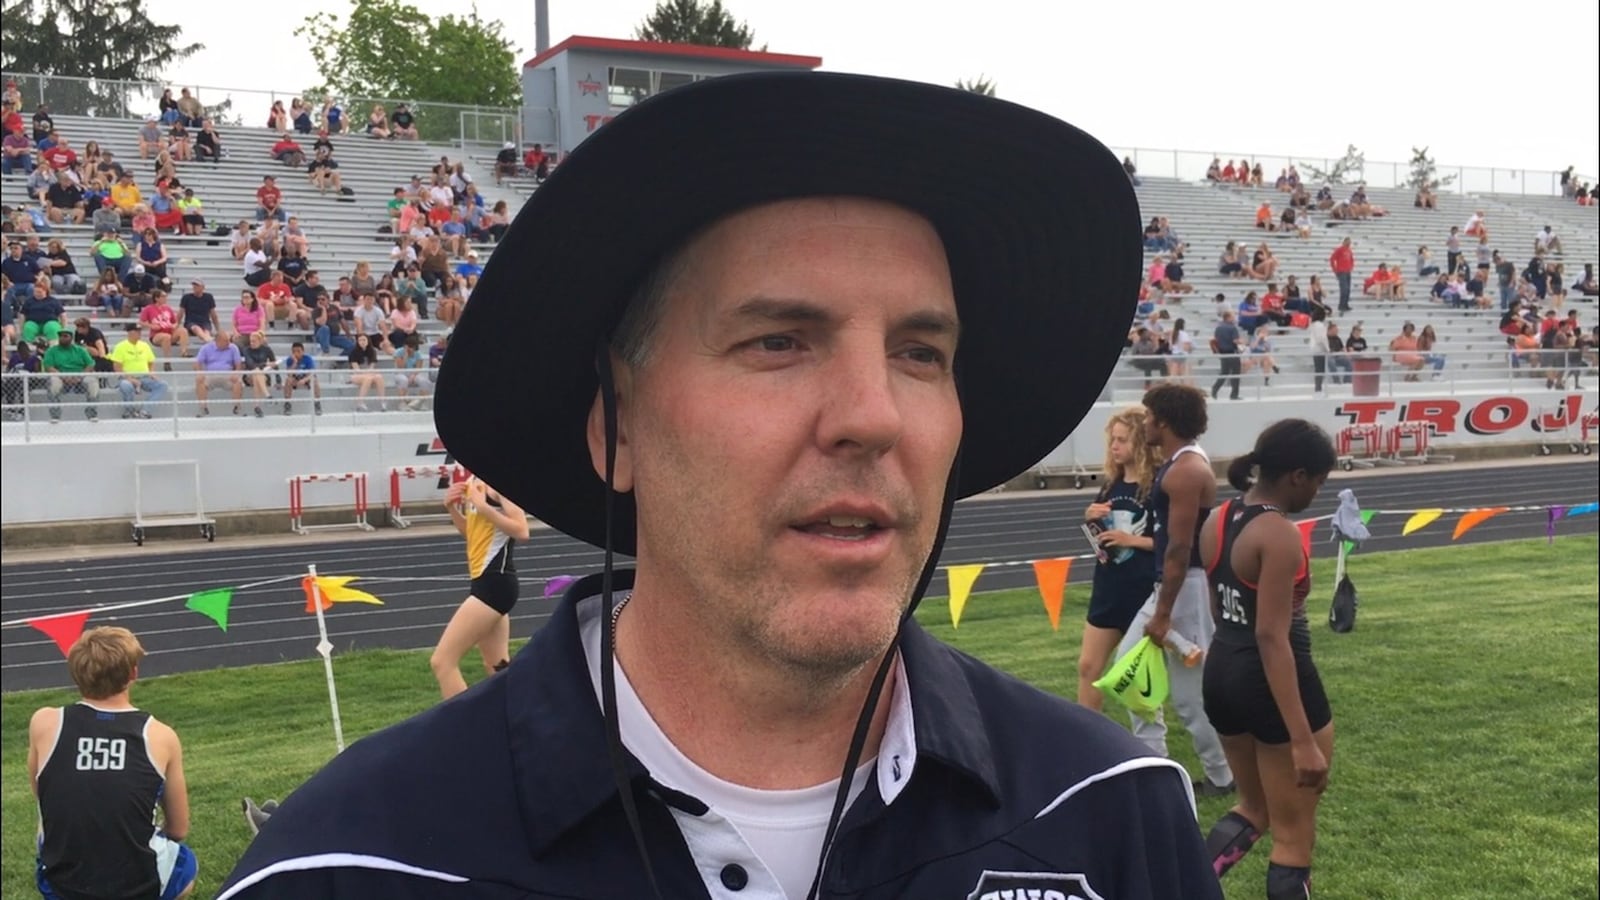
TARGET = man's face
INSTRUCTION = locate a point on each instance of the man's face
(133, 336)
(799, 385)
(222, 340)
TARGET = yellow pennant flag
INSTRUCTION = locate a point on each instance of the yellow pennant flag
(1474, 518)
(961, 579)
(1422, 518)
(334, 589)
(1052, 577)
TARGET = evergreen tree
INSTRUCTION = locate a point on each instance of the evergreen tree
(695, 22)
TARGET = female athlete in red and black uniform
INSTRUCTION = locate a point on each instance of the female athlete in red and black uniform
(1262, 692)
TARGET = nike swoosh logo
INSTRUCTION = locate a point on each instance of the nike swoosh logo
(1145, 691)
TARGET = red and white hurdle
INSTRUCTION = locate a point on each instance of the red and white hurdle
(1420, 434)
(1371, 439)
(399, 475)
(297, 507)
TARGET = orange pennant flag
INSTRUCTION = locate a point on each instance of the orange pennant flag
(333, 590)
(1473, 518)
(1306, 528)
(63, 629)
(1052, 577)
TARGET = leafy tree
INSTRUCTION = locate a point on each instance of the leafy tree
(1424, 172)
(1351, 168)
(388, 50)
(695, 22)
(108, 42)
(980, 85)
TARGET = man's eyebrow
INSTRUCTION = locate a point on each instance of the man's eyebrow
(802, 311)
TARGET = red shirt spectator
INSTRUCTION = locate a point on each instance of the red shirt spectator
(274, 292)
(1272, 302)
(268, 195)
(438, 215)
(1343, 259)
(160, 318)
(60, 157)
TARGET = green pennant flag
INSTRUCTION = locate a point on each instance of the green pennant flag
(212, 604)
(1366, 519)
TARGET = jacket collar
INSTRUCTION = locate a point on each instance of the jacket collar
(557, 737)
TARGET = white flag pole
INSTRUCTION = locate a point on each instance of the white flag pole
(325, 648)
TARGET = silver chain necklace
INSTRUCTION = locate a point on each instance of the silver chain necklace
(616, 613)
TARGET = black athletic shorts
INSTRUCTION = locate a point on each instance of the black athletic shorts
(1238, 700)
(497, 589)
(1115, 608)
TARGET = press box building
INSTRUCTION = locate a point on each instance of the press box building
(576, 86)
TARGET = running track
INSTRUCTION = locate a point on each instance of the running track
(420, 577)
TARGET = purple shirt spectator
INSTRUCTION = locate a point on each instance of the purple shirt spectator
(218, 359)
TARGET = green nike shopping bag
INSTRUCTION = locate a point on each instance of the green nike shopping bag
(1139, 678)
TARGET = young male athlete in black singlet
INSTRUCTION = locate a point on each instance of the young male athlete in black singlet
(100, 768)
(1262, 691)
(1184, 490)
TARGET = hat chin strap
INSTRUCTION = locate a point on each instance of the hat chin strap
(608, 627)
(858, 739)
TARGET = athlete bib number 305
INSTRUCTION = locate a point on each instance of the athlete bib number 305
(1230, 608)
(101, 754)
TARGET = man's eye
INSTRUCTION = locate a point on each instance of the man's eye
(777, 343)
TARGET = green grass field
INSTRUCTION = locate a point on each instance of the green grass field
(1466, 703)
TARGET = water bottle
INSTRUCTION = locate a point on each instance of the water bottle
(1187, 650)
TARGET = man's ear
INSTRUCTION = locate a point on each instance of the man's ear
(595, 432)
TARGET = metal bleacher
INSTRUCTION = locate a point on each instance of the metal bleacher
(1206, 216)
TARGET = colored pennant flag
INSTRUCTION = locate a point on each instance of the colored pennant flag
(1422, 518)
(1367, 516)
(961, 579)
(1306, 528)
(212, 604)
(1473, 518)
(1582, 510)
(63, 629)
(333, 589)
(1551, 514)
(557, 584)
(1052, 577)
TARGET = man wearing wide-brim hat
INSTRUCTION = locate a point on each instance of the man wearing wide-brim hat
(766, 369)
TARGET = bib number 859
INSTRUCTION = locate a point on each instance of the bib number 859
(102, 754)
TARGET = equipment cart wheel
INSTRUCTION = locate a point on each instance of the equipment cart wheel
(138, 536)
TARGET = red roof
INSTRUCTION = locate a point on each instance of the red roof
(693, 51)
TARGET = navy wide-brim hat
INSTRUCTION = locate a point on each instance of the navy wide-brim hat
(1039, 223)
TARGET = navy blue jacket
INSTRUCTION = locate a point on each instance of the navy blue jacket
(506, 792)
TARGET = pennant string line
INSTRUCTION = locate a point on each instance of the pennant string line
(113, 607)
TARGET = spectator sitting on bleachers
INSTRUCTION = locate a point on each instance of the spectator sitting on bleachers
(1425, 345)
(141, 219)
(269, 199)
(536, 162)
(190, 112)
(410, 284)
(332, 116)
(1380, 283)
(64, 201)
(249, 317)
(293, 264)
(199, 309)
(332, 326)
(1404, 348)
(138, 286)
(20, 268)
(101, 163)
(191, 213)
(288, 151)
(361, 280)
(277, 295)
(151, 141)
(165, 208)
(1143, 348)
(17, 152)
(1257, 176)
(453, 233)
(363, 359)
(1586, 283)
(505, 162)
(22, 361)
(496, 221)
(1272, 306)
(1230, 262)
(1547, 241)
(1360, 205)
(1557, 344)
(166, 169)
(60, 156)
(208, 143)
(403, 322)
(1263, 265)
(153, 256)
(1476, 291)
(1425, 198)
(300, 372)
(161, 319)
(1525, 345)
(106, 294)
(1264, 217)
(369, 318)
(433, 261)
(42, 313)
(1249, 312)
(1214, 171)
(402, 124)
(1476, 225)
(323, 172)
(411, 364)
(58, 263)
(1325, 197)
(93, 340)
(71, 369)
(1339, 365)
(179, 142)
(377, 122)
(1425, 266)
(1483, 252)
(300, 116)
(217, 364)
(259, 362)
(239, 240)
(1281, 185)
(125, 196)
(1172, 278)
(1260, 355)
(310, 289)
(39, 181)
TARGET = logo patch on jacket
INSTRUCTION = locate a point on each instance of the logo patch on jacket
(1033, 886)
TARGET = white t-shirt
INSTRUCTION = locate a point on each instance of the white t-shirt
(254, 260)
(775, 836)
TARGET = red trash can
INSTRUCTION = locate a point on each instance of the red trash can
(1364, 377)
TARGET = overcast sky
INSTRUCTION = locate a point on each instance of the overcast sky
(1510, 87)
